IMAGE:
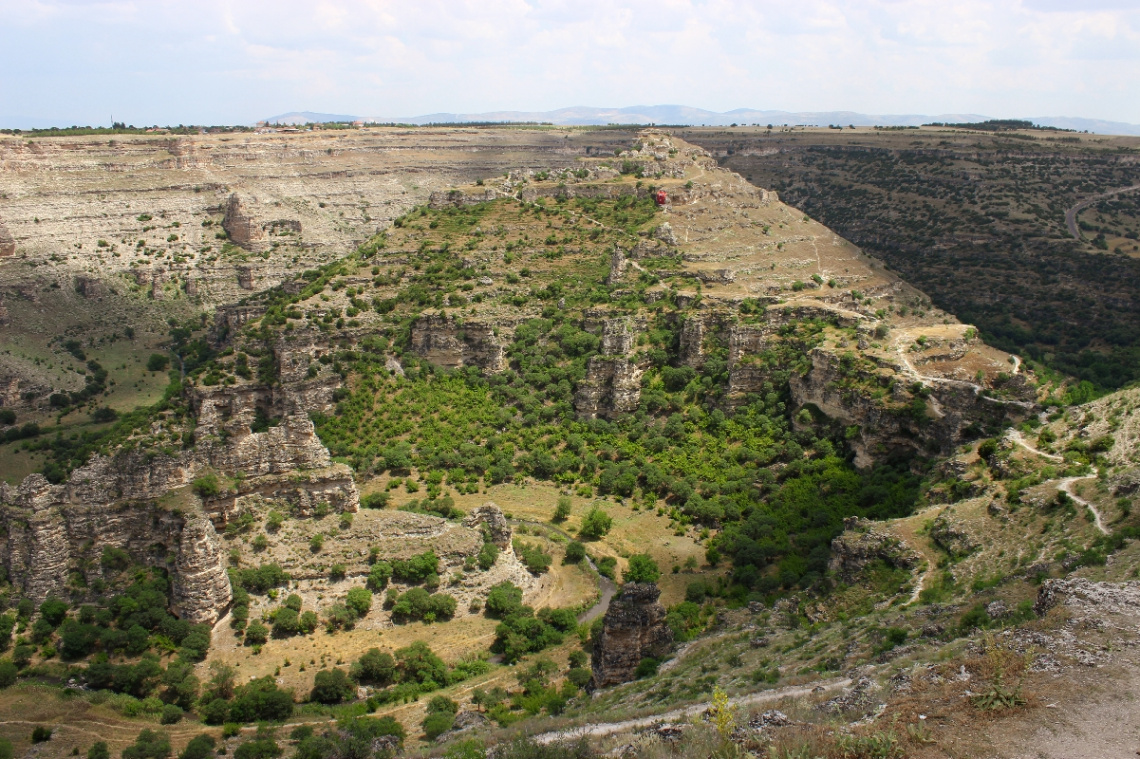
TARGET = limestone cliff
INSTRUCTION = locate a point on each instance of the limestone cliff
(55, 535)
(452, 343)
(242, 229)
(862, 544)
(633, 629)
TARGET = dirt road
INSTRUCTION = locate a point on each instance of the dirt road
(606, 587)
(1071, 214)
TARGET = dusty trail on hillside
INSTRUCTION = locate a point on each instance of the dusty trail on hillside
(1065, 485)
(598, 729)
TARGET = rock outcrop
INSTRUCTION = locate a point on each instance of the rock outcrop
(239, 225)
(55, 535)
(445, 341)
(633, 629)
(7, 242)
(952, 537)
(489, 517)
(862, 544)
(1086, 597)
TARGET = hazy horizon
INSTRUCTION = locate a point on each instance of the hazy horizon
(221, 62)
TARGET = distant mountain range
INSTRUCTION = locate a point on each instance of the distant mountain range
(681, 114)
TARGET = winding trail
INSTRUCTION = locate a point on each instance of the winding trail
(598, 729)
(606, 587)
(1071, 214)
(925, 379)
(1064, 485)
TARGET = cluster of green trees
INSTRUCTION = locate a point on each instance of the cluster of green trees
(521, 630)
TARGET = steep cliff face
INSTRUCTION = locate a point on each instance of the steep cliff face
(239, 224)
(142, 504)
(448, 342)
(54, 537)
(612, 385)
(634, 628)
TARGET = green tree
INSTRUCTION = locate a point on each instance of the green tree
(332, 686)
(642, 568)
(595, 524)
(575, 553)
(562, 509)
(374, 667)
(359, 600)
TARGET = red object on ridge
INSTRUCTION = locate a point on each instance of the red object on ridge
(661, 197)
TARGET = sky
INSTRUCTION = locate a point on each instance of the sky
(66, 62)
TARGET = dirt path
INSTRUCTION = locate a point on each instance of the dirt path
(598, 729)
(1071, 214)
(606, 587)
(925, 379)
(1065, 485)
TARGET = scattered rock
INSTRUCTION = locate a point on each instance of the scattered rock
(952, 537)
(862, 544)
(770, 718)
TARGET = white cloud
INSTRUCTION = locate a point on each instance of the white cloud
(238, 60)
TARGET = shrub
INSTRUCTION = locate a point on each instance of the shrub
(595, 524)
(374, 667)
(375, 501)
(41, 734)
(150, 744)
(256, 634)
(115, 558)
(171, 714)
(579, 676)
(261, 699)
(436, 724)
(503, 600)
(575, 553)
(200, 747)
(488, 555)
(417, 568)
(207, 486)
(261, 579)
(157, 362)
(8, 672)
(562, 510)
(261, 747)
(359, 600)
(642, 568)
(417, 663)
(332, 686)
(536, 560)
(378, 576)
(99, 750)
(54, 610)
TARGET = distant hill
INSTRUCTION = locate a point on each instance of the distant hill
(689, 116)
